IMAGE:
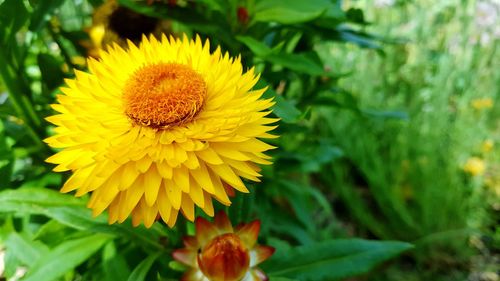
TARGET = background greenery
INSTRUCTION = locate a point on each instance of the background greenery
(378, 101)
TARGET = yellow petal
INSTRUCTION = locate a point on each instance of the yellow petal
(228, 175)
(187, 207)
(152, 181)
(174, 193)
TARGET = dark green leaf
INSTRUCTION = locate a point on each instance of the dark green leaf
(281, 279)
(140, 272)
(283, 108)
(71, 212)
(114, 264)
(333, 260)
(258, 48)
(52, 74)
(297, 62)
(356, 15)
(13, 15)
(337, 97)
(65, 257)
(6, 157)
(52, 233)
(42, 12)
(289, 11)
(403, 115)
(359, 38)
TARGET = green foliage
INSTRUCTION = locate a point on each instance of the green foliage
(65, 257)
(372, 139)
(332, 260)
(404, 179)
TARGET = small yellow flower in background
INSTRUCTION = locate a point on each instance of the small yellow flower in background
(475, 166)
(159, 129)
(218, 252)
(482, 103)
(487, 146)
(79, 60)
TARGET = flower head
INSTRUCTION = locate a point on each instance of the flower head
(113, 23)
(475, 166)
(487, 146)
(159, 129)
(220, 253)
(482, 103)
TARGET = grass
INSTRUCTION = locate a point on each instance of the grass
(403, 178)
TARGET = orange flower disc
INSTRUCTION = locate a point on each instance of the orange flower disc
(164, 95)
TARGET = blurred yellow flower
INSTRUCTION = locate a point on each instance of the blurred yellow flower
(112, 23)
(487, 146)
(475, 166)
(482, 103)
(220, 253)
(160, 128)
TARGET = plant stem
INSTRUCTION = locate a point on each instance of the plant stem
(19, 101)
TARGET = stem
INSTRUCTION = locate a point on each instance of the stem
(67, 57)
(21, 103)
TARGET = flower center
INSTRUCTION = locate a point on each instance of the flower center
(164, 95)
(224, 258)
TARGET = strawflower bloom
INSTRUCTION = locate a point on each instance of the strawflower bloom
(113, 23)
(474, 166)
(159, 129)
(218, 252)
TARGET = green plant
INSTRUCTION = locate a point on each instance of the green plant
(54, 236)
(403, 178)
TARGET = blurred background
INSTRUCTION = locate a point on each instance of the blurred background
(389, 131)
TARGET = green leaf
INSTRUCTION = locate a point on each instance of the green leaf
(52, 74)
(302, 63)
(283, 108)
(359, 38)
(65, 257)
(13, 15)
(297, 62)
(356, 15)
(257, 47)
(6, 156)
(140, 272)
(332, 260)
(81, 218)
(281, 279)
(27, 251)
(41, 13)
(24, 198)
(339, 98)
(320, 155)
(289, 11)
(403, 115)
(71, 212)
(114, 264)
(177, 266)
(52, 233)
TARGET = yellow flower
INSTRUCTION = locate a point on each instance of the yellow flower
(160, 128)
(112, 23)
(220, 253)
(475, 166)
(487, 146)
(482, 103)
